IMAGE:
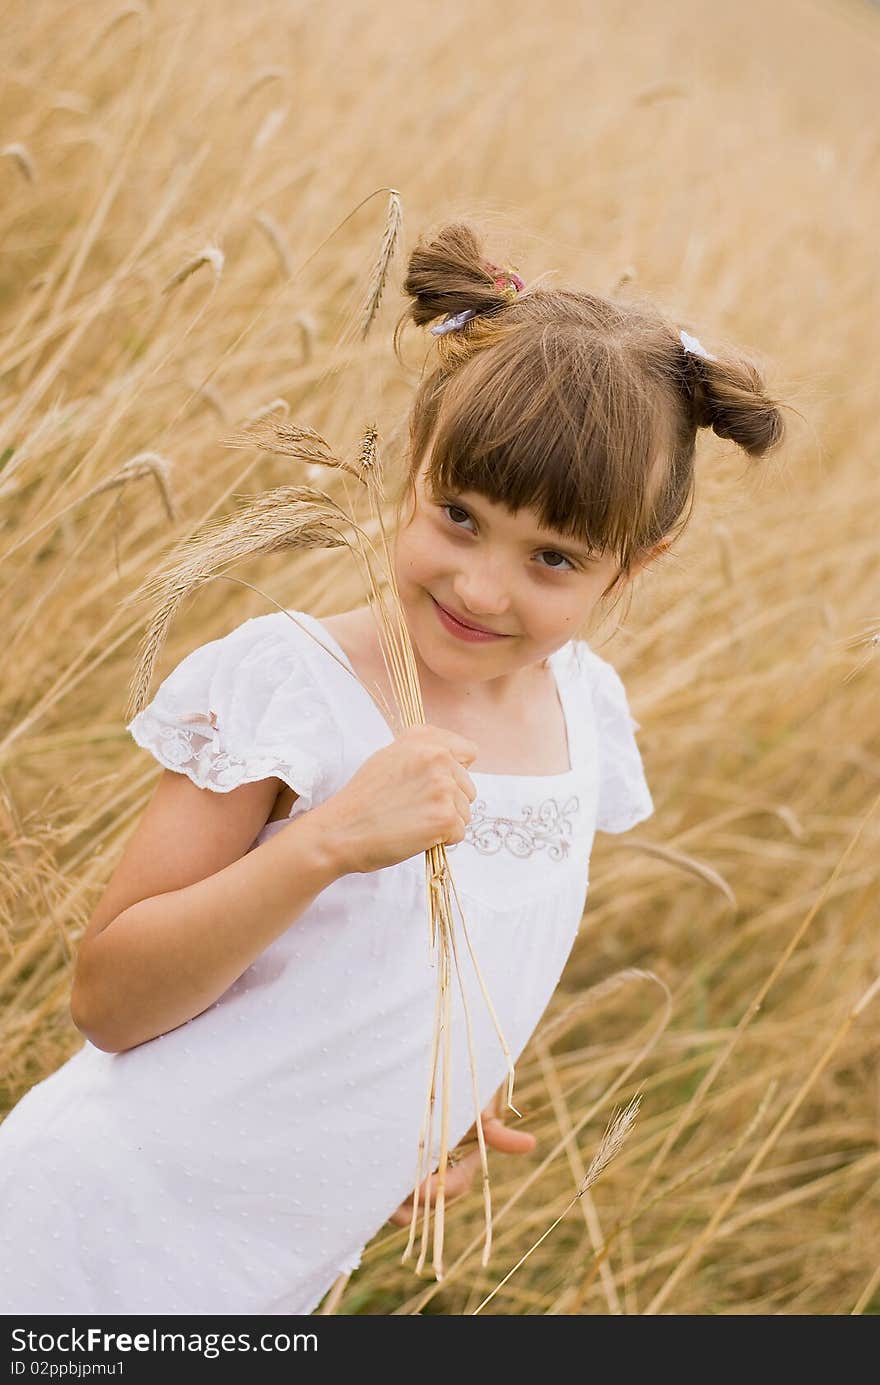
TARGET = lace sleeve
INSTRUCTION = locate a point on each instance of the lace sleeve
(241, 708)
(624, 796)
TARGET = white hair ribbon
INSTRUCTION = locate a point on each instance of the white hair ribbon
(452, 323)
(696, 349)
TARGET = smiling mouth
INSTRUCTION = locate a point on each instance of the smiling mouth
(480, 629)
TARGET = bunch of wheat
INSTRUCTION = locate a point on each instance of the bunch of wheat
(299, 517)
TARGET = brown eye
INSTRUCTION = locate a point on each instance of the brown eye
(447, 507)
(556, 565)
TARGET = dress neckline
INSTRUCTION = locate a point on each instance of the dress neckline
(554, 660)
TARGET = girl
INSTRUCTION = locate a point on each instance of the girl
(255, 987)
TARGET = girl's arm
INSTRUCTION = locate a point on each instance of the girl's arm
(166, 957)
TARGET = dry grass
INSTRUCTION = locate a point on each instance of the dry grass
(181, 260)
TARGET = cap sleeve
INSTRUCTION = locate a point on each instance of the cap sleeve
(244, 707)
(624, 796)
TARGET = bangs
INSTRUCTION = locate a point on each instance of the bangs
(551, 444)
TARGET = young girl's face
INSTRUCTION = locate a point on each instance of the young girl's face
(496, 570)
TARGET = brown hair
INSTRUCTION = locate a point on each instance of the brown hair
(584, 408)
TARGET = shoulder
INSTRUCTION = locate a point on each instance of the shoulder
(282, 634)
(243, 706)
(605, 684)
(262, 651)
(624, 797)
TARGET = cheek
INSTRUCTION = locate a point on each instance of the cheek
(417, 549)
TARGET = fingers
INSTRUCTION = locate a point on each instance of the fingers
(501, 1137)
(458, 1181)
(459, 1176)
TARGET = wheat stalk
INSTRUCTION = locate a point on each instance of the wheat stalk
(275, 236)
(209, 392)
(289, 517)
(718, 1160)
(141, 464)
(695, 1249)
(270, 126)
(126, 12)
(609, 1147)
(400, 664)
(390, 237)
(298, 517)
(22, 156)
(210, 254)
(288, 440)
(265, 74)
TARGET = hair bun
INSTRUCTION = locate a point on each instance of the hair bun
(449, 275)
(728, 395)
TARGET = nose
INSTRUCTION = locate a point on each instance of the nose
(482, 591)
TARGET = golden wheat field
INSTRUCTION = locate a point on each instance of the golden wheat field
(193, 206)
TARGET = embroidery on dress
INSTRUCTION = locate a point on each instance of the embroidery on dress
(541, 830)
(202, 751)
(180, 746)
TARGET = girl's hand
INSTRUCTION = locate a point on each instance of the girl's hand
(460, 1176)
(407, 797)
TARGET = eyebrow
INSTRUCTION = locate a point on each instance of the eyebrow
(550, 540)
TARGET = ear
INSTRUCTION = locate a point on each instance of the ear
(660, 547)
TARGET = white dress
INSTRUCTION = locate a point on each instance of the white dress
(240, 1162)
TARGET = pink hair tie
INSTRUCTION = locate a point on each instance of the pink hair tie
(504, 280)
(508, 282)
